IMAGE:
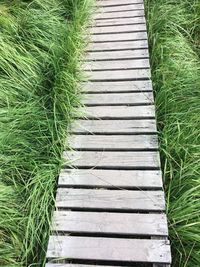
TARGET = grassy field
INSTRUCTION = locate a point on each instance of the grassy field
(41, 42)
(174, 38)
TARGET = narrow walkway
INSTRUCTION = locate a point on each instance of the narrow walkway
(110, 208)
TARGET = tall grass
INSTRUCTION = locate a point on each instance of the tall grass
(174, 37)
(41, 42)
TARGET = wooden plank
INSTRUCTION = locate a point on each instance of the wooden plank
(117, 112)
(113, 142)
(116, 64)
(116, 160)
(114, 55)
(110, 178)
(119, 21)
(110, 37)
(114, 126)
(123, 86)
(109, 249)
(110, 223)
(118, 99)
(118, 75)
(118, 2)
(122, 14)
(118, 29)
(117, 46)
(125, 200)
(105, 9)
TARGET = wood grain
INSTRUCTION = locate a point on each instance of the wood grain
(115, 249)
(116, 64)
(113, 160)
(118, 112)
(114, 127)
(122, 14)
(110, 37)
(105, 9)
(117, 46)
(118, 2)
(124, 200)
(114, 55)
(118, 99)
(118, 75)
(110, 178)
(118, 21)
(110, 223)
(122, 86)
(113, 142)
(118, 29)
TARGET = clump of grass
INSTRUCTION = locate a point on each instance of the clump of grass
(41, 43)
(174, 37)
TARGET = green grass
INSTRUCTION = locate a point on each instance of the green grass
(174, 38)
(41, 42)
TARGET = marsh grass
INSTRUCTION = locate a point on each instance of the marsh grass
(173, 28)
(41, 43)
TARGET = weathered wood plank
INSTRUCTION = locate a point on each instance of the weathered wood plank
(110, 178)
(116, 64)
(106, 9)
(70, 198)
(118, 75)
(118, 99)
(117, 112)
(110, 37)
(118, 2)
(107, 249)
(119, 21)
(110, 223)
(118, 29)
(113, 142)
(123, 86)
(122, 14)
(117, 46)
(114, 55)
(114, 126)
(115, 160)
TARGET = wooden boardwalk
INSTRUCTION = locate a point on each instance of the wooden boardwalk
(110, 207)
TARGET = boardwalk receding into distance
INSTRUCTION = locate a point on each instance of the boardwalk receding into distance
(110, 206)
